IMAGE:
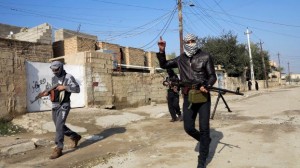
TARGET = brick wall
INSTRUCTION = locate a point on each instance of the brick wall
(152, 60)
(129, 55)
(116, 49)
(13, 55)
(135, 56)
(73, 45)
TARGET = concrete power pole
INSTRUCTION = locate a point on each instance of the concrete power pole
(250, 55)
(279, 68)
(179, 5)
(290, 78)
(264, 65)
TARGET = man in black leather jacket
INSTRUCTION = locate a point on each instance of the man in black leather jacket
(196, 68)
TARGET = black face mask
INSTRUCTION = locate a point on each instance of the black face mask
(58, 72)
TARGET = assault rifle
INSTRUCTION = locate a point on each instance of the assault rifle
(220, 91)
(47, 90)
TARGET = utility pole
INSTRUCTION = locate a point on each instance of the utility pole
(250, 55)
(290, 78)
(279, 68)
(180, 25)
(263, 62)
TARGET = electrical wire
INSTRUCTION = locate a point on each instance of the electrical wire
(163, 30)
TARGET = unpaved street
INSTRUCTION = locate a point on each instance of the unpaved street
(263, 131)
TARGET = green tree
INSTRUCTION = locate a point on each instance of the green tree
(227, 52)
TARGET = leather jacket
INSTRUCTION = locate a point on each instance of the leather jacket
(198, 69)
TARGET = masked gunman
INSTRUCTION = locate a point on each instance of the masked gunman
(196, 69)
(60, 98)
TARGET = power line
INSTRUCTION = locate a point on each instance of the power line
(162, 31)
(257, 20)
(157, 20)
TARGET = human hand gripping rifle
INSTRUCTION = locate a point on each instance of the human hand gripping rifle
(169, 82)
(220, 91)
(40, 95)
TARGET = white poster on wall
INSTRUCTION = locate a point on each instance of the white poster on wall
(39, 77)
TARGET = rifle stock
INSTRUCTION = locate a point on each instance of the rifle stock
(47, 90)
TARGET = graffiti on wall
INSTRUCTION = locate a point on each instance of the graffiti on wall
(39, 78)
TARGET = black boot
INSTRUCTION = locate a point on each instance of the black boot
(201, 161)
(204, 151)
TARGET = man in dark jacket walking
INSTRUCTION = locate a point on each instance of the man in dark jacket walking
(60, 98)
(173, 96)
(196, 69)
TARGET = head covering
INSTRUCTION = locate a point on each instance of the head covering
(191, 48)
(57, 68)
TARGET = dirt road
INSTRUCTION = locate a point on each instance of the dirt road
(263, 131)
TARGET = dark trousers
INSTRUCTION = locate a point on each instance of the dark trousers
(59, 117)
(189, 116)
(173, 104)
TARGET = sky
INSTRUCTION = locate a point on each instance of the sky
(140, 23)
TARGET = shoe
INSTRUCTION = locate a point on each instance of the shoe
(201, 162)
(75, 141)
(57, 152)
(173, 120)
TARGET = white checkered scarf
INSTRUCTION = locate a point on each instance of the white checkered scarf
(191, 49)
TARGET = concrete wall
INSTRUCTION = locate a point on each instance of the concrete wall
(63, 34)
(40, 34)
(13, 74)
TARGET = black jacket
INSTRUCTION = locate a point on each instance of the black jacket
(198, 69)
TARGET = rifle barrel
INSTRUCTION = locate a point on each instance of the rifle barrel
(224, 90)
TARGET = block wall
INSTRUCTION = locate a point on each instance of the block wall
(132, 89)
(63, 34)
(41, 33)
(98, 79)
(13, 55)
